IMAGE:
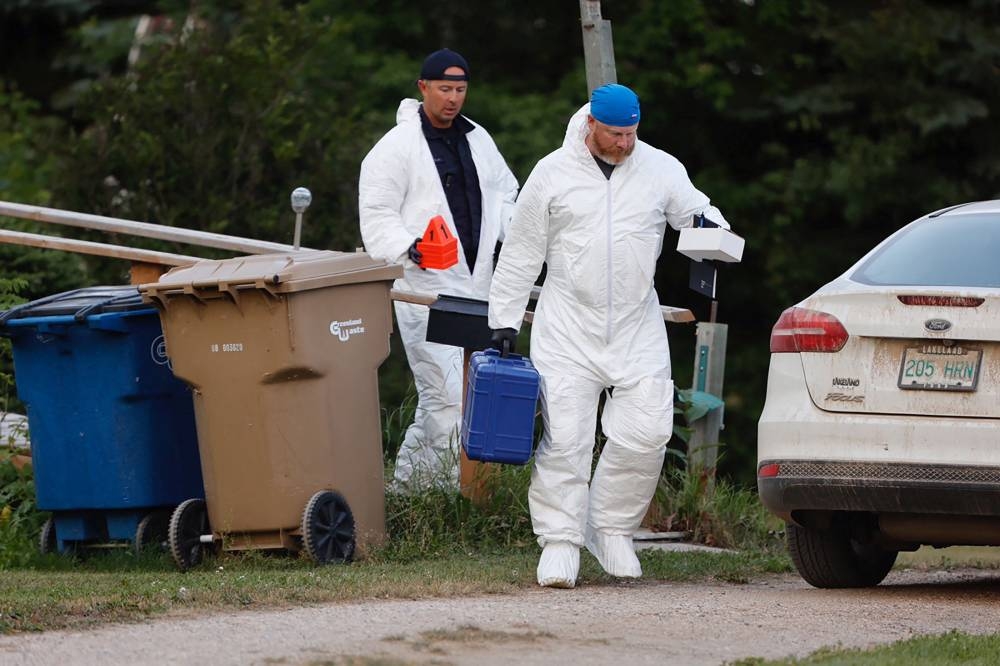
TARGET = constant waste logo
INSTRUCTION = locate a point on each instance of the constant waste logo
(158, 352)
(343, 330)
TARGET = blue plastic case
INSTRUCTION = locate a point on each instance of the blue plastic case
(499, 420)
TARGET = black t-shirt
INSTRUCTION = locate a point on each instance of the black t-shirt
(606, 168)
(459, 178)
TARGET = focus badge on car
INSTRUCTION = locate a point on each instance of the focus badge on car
(937, 325)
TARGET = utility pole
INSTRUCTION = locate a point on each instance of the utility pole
(598, 48)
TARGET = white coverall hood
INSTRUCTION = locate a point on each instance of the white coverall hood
(597, 325)
(399, 192)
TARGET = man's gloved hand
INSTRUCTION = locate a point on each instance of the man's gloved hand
(415, 255)
(504, 340)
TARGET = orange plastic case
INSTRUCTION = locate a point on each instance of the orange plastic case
(438, 247)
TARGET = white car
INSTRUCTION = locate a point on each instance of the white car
(881, 426)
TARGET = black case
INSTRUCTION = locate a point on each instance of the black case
(459, 321)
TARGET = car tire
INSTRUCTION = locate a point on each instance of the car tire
(830, 558)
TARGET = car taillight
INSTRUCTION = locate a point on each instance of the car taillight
(802, 330)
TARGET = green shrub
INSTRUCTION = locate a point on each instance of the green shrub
(439, 520)
(8, 297)
(714, 512)
(395, 421)
(432, 522)
(19, 518)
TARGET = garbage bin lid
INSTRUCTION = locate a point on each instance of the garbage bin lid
(79, 303)
(277, 273)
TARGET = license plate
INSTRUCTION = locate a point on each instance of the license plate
(940, 368)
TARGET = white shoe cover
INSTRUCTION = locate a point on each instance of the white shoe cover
(615, 553)
(559, 565)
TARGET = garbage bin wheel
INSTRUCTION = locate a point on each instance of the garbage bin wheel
(47, 537)
(328, 528)
(187, 525)
(152, 531)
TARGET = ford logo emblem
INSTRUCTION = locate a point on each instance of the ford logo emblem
(937, 325)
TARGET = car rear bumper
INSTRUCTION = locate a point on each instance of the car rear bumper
(804, 485)
(792, 427)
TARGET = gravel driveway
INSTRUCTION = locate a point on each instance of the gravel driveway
(629, 623)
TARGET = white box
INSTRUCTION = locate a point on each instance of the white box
(713, 243)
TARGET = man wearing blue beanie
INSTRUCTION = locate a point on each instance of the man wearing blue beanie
(595, 212)
(614, 104)
(435, 161)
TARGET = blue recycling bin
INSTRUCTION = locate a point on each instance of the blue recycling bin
(113, 440)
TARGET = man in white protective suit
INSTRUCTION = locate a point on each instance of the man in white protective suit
(435, 162)
(595, 211)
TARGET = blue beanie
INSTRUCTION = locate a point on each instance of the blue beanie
(615, 105)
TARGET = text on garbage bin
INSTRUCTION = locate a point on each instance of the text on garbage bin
(228, 347)
(343, 330)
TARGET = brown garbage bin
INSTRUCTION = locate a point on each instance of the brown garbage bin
(282, 353)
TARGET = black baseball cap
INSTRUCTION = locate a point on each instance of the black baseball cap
(436, 63)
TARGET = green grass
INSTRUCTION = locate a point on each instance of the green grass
(117, 586)
(441, 544)
(735, 567)
(979, 557)
(19, 518)
(716, 514)
(941, 650)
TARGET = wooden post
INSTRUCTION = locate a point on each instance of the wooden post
(142, 273)
(598, 49)
(473, 475)
(709, 372)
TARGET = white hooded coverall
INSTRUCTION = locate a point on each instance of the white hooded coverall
(597, 325)
(399, 191)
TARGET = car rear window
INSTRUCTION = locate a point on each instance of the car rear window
(946, 251)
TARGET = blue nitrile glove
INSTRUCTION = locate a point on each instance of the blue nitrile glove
(504, 340)
(415, 255)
